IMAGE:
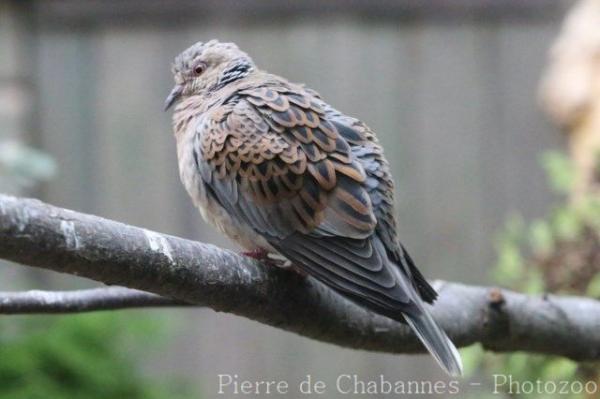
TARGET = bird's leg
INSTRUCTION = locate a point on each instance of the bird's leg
(259, 253)
(272, 259)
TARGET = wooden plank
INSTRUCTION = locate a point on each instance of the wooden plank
(65, 71)
(526, 131)
(136, 163)
(74, 12)
(446, 150)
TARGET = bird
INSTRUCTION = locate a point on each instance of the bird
(278, 170)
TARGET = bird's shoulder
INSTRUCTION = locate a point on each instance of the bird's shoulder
(272, 119)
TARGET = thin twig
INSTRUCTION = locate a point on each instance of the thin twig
(110, 298)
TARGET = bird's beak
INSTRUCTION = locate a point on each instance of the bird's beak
(173, 96)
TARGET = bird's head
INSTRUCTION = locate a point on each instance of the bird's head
(206, 67)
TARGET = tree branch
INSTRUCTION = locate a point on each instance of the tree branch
(110, 298)
(37, 234)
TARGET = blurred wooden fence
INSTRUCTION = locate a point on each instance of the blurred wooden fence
(450, 89)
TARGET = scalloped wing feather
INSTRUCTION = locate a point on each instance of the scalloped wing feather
(314, 183)
(288, 160)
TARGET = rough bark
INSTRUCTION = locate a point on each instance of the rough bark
(187, 272)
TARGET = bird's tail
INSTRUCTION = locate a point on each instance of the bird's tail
(419, 319)
(436, 341)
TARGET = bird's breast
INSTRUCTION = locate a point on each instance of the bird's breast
(211, 211)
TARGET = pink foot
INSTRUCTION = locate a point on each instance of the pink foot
(262, 255)
(258, 254)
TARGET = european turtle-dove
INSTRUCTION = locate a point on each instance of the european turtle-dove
(278, 170)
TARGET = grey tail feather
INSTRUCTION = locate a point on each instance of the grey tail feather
(419, 319)
(436, 341)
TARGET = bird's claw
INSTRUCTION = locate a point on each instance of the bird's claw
(263, 256)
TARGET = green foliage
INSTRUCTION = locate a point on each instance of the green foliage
(593, 289)
(560, 171)
(81, 356)
(510, 259)
(541, 237)
(517, 246)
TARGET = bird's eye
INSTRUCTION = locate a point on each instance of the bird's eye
(198, 69)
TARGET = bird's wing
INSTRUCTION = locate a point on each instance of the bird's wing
(277, 161)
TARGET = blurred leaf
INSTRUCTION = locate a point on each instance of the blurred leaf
(534, 283)
(567, 224)
(558, 369)
(593, 289)
(510, 263)
(518, 364)
(472, 358)
(560, 171)
(589, 211)
(541, 238)
(88, 356)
